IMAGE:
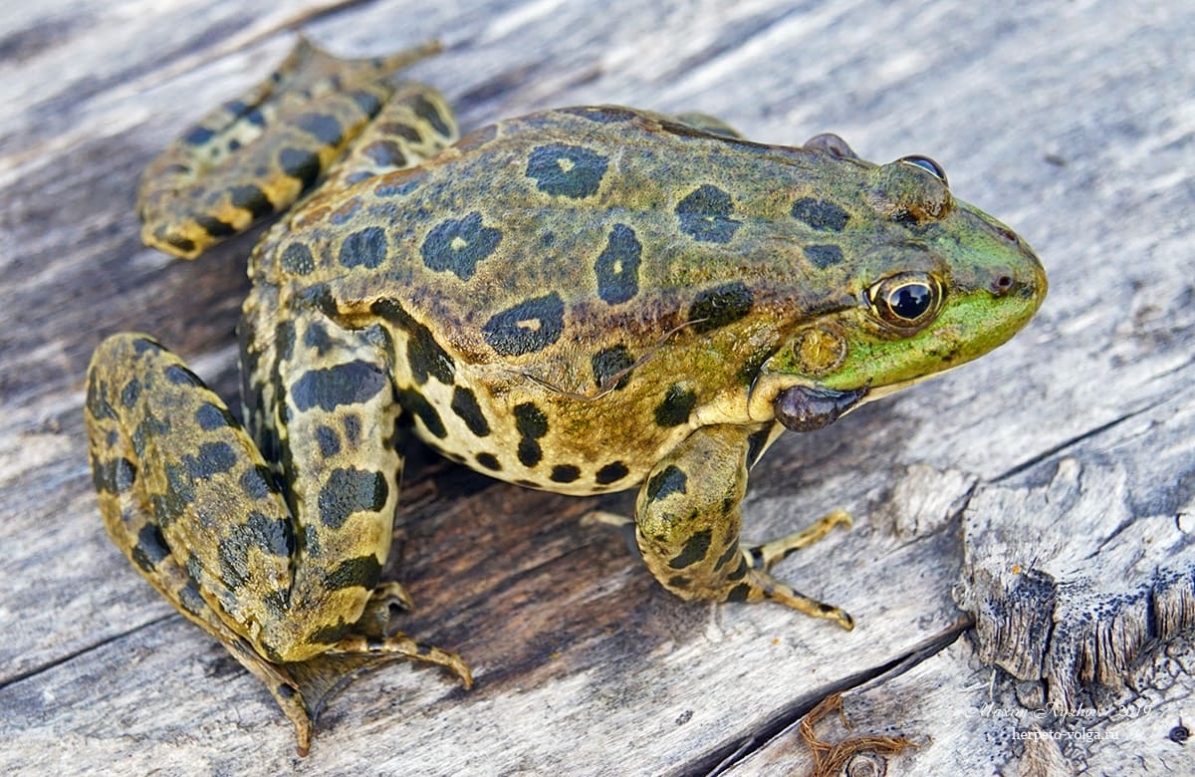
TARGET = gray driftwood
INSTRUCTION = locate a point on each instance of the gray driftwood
(1021, 568)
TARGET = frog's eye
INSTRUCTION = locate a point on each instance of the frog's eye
(927, 164)
(907, 301)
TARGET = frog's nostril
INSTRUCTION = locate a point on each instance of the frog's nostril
(1002, 284)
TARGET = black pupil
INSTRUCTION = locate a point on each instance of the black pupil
(910, 301)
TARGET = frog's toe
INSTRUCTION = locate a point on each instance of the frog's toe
(766, 555)
(401, 646)
(772, 590)
(376, 619)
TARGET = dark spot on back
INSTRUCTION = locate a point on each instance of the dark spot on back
(130, 393)
(259, 533)
(297, 259)
(823, 256)
(316, 337)
(705, 215)
(527, 327)
(457, 245)
(609, 363)
(352, 428)
(720, 306)
(364, 248)
(617, 268)
(562, 170)
(328, 440)
(212, 458)
(258, 482)
(822, 215)
(210, 417)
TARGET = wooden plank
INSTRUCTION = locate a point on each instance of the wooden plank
(1065, 454)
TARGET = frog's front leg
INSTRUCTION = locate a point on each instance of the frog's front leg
(687, 527)
(282, 570)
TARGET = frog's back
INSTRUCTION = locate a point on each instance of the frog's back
(568, 245)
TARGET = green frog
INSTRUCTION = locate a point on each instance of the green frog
(581, 300)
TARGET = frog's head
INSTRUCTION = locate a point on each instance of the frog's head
(938, 284)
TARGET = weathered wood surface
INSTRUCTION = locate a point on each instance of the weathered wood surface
(1047, 489)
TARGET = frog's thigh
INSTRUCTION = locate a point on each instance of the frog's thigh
(140, 489)
(688, 518)
(200, 488)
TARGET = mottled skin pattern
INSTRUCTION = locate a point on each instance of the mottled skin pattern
(582, 300)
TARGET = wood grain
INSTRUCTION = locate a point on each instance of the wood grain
(1021, 567)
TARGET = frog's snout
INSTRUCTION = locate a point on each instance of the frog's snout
(1020, 277)
(1027, 281)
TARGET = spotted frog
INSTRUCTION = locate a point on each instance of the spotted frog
(581, 300)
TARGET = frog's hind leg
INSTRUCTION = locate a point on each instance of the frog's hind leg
(687, 526)
(256, 155)
(414, 125)
(132, 497)
(187, 497)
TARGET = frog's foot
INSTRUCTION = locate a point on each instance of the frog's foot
(373, 635)
(761, 558)
(302, 689)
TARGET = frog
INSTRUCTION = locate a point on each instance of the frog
(582, 300)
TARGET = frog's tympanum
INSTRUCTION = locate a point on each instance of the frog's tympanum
(581, 300)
